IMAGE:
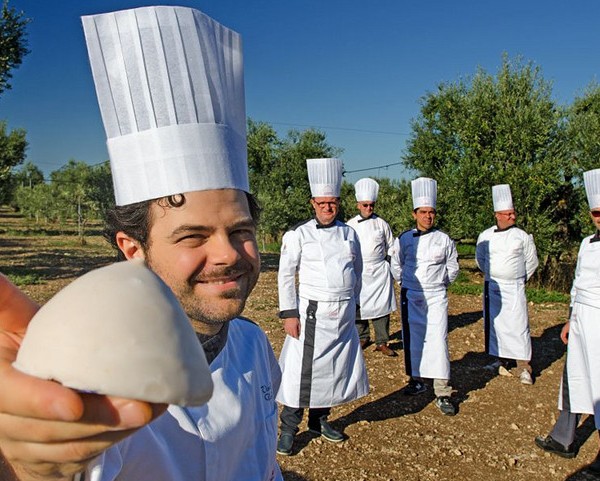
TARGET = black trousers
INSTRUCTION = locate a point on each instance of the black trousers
(291, 418)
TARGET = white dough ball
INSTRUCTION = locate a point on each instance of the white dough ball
(118, 330)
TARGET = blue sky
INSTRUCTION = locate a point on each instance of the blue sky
(355, 69)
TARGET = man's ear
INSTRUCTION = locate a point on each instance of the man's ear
(130, 248)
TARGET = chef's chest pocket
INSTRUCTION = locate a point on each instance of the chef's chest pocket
(515, 247)
(311, 252)
(433, 254)
(340, 265)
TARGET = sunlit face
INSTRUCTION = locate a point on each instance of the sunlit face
(505, 218)
(206, 252)
(365, 208)
(595, 215)
(424, 217)
(326, 208)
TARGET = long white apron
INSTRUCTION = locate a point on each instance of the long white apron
(425, 333)
(506, 321)
(580, 386)
(377, 291)
(324, 367)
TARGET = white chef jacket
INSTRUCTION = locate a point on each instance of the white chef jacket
(425, 263)
(581, 388)
(325, 366)
(231, 438)
(508, 258)
(377, 293)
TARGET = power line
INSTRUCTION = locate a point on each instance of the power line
(372, 168)
(349, 129)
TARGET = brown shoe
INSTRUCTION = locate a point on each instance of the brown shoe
(364, 343)
(385, 349)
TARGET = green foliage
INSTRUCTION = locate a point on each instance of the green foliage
(12, 153)
(25, 280)
(542, 296)
(490, 130)
(278, 177)
(77, 192)
(13, 42)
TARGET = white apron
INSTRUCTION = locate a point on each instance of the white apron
(325, 366)
(232, 438)
(377, 292)
(580, 386)
(506, 321)
(425, 333)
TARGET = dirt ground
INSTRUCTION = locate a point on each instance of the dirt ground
(391, 436)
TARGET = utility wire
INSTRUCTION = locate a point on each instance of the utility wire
(372, 168)
(349, 129)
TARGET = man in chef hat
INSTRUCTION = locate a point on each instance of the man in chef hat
(424, 261)
(321, 361)
(580, 385)
(508, 258)
(170, 86)
(377, 299)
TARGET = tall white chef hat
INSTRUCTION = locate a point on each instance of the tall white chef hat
(170, 86)
(325, 177)
(424, 192)
(366, 190)
(591, 179)
(502, 197)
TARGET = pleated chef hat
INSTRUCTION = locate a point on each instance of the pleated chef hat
(366, 190)
(325, 177)
(170, 86)
(591, 179)
(424, 192)
(502, 197)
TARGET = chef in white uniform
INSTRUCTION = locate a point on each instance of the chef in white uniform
(424, 261)
(508, 258)
(580, 386)
(321, 361)
(170, 87)
(377, 298)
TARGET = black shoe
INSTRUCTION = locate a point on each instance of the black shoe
(414, 388)
(327, 432)
(285, 443)
(550, 445)
(445, 405)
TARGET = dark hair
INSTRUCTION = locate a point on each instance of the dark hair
(135, 220)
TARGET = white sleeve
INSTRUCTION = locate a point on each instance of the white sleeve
(291, 250)
(395, 262)
(358, 267)
(531, 258)
(451, 261)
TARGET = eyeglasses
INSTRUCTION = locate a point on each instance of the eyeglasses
(595, 213)
(507, 214)
(322, 205)
(368, 205)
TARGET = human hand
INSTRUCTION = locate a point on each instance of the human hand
(47, 431)
(291, 326)
(564, 333)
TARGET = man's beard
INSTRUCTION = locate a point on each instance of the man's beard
(214, 309)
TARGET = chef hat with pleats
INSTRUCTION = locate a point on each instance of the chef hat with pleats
(424, 192)
(366, 190)
(591, 179)
(325, 177)
(502, 197)
(170, 86)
